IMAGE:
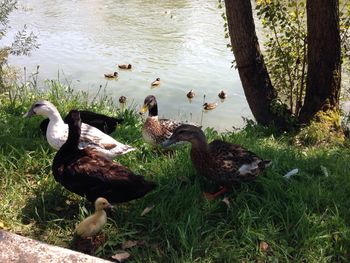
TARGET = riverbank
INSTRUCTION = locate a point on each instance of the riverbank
(304, 218)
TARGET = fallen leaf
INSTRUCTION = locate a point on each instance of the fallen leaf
(226, 201)
(121, 256)
(129, 244)
(147, 210)
(2, 225)
(324, 171)
(291, 173)
(264, 247)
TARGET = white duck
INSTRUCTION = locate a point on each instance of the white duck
(57, 132)
(93, 224)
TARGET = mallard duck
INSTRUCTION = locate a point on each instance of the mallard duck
(111, 75)
(223, 162)
(155, 130)
(210, 106)
(122, 99)
(125, 66)
(102, 122)
(222, 95)
(156, 82)
(190, 94)
(88, 173)
(93, 224)
(57, 132)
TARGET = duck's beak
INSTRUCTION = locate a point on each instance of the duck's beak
(144, 109)
(29, 113)
(168, 142)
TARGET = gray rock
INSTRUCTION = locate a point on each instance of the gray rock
(15, 248)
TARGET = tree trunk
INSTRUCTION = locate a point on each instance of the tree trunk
(250, 62)
(324, 66)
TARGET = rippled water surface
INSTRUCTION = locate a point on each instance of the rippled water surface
(181, 42)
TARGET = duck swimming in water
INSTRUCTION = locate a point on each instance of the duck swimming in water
(125, 66)
(156, 82)
(111, 75)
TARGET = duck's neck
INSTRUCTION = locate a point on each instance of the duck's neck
(153, 111)
(200, 155)
(55, 116)
(100, 213)
(72, 142)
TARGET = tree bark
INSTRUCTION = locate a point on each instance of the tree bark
(250, 62)
(324, 65)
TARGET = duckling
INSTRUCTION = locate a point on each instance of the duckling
(125, 66)
(102, 122)
(57, 132)
(93, 224)
(222, 162)
(210, 106)
(155, 130)
(156, 82)
(222, 95)
(122, 99)
(88, 173)
(111, 75)
(190, 94)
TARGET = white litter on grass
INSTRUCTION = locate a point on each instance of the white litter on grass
(291, 173)
(324, 171)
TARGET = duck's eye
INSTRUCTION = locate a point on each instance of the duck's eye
(38, 105)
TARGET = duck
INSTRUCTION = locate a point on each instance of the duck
(225, 163)
(111, 75)
(222, 95)
(156, 82)
(190, 94)
(155, 130)
(57, 132)
(93, 224)
(88, 173)
(210, 106)
(102, 122)
(125, 66)
(122, 99)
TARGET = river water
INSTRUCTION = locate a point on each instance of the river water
(181, 42)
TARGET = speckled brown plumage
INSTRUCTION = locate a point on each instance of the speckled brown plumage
(223, 162)
(88, 173)
(155, 130)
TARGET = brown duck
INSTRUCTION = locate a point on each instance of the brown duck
(88, 173)
(155, 130)
(225, 163)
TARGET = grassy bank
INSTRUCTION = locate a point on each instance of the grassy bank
(303, 219)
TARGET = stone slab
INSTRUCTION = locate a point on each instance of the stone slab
(18, 249)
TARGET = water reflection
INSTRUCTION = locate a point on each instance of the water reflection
(181, 42)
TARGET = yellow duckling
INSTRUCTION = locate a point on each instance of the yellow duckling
(125, 66)
(190, 94)
(111, 75)
(210, 106)
(222, 95)
(93, 224)
(156, 82)
(122, 99)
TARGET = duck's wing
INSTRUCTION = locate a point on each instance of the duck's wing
(170, 125)
(235, 160)
(91, 136)
(94, 176)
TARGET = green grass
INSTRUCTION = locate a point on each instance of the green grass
(304, 219)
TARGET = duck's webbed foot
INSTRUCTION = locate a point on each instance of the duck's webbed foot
(212, 196)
